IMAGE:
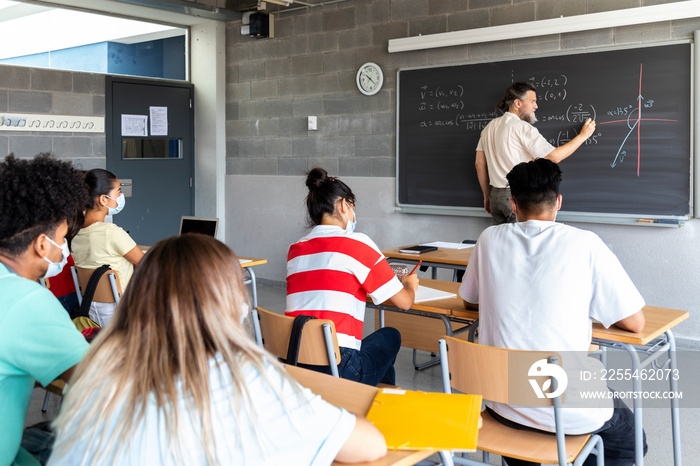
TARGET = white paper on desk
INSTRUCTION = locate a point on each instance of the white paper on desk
(446, 245)
(430, 294)
(244, 261)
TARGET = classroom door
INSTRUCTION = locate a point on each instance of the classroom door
(150, 148)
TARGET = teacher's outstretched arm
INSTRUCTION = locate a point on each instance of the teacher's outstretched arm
(565, 150)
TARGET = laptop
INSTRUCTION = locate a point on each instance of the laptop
(205, 226)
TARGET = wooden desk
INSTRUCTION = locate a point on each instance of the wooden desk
(356, 398)
(646, 348)
(251, 261)
(248, 263)
(425, 323)
(455, 259)
(658, 320)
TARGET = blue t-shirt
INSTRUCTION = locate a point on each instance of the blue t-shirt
(38, 342)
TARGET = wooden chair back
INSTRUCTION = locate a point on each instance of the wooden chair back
(103, 292)
(501, 375)
(497, 374)
(276, 330)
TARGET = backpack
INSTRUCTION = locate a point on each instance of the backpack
(295, 338)
(82, 318)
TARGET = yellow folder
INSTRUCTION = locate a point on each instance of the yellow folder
(426, 421)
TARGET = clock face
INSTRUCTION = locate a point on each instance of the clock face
(369, 78)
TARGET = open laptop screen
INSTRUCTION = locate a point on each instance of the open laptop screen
(205, 226)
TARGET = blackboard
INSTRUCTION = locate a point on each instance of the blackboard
(637, 163)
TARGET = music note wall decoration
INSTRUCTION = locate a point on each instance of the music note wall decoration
(52, 123)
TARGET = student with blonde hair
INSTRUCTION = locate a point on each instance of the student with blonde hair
(176, 379)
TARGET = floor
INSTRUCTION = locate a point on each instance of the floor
(657, 421)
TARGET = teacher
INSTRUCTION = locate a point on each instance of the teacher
(511, 139)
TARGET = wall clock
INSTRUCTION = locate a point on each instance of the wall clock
(369, 78)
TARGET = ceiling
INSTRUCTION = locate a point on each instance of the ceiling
(222, 10)
(178, 12)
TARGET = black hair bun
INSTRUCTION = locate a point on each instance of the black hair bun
(316, 177)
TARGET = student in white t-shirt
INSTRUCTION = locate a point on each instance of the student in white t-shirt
(176, 379)
(99, 243)
(539, 284)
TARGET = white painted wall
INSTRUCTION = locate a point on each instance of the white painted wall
(265, 214)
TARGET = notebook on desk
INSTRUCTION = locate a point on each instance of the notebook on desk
(418, 249)
(413, 420)
(205, 226)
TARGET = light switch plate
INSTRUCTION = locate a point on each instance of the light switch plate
(312, 123)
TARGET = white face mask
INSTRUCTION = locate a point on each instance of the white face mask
(120, 200)
(56, 267)
(350, 226)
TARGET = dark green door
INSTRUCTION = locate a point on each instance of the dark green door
(150, 148)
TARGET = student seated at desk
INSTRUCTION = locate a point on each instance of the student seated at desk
(99, 243)
(538, 284)
(62, 285)
(176, 379)
(331, 270)
(38, 341)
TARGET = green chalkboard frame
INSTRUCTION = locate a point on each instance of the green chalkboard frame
(433, 115)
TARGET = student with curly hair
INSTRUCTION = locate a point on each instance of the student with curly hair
(176, 379)
(99, 243)
(38, 341)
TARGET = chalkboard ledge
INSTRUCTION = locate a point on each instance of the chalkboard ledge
(563, 216)
(441, 210)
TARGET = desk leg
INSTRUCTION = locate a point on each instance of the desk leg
(471, 336)
(670, 347)
(435, 359)
(253, 286)
(637, 403)
(256, 327)
(675, 410)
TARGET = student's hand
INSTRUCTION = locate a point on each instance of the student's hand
(410, 282)
(404, 299)
(588, 128)
(365, 444)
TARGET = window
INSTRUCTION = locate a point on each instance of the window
(45, 37)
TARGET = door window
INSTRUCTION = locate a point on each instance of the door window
(148, 148)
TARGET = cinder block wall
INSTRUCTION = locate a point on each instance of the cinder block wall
(309, 69)
(44, 91)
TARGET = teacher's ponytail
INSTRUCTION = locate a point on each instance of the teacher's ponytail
(502, 106)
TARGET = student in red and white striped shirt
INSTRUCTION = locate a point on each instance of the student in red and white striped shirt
(331, 271)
